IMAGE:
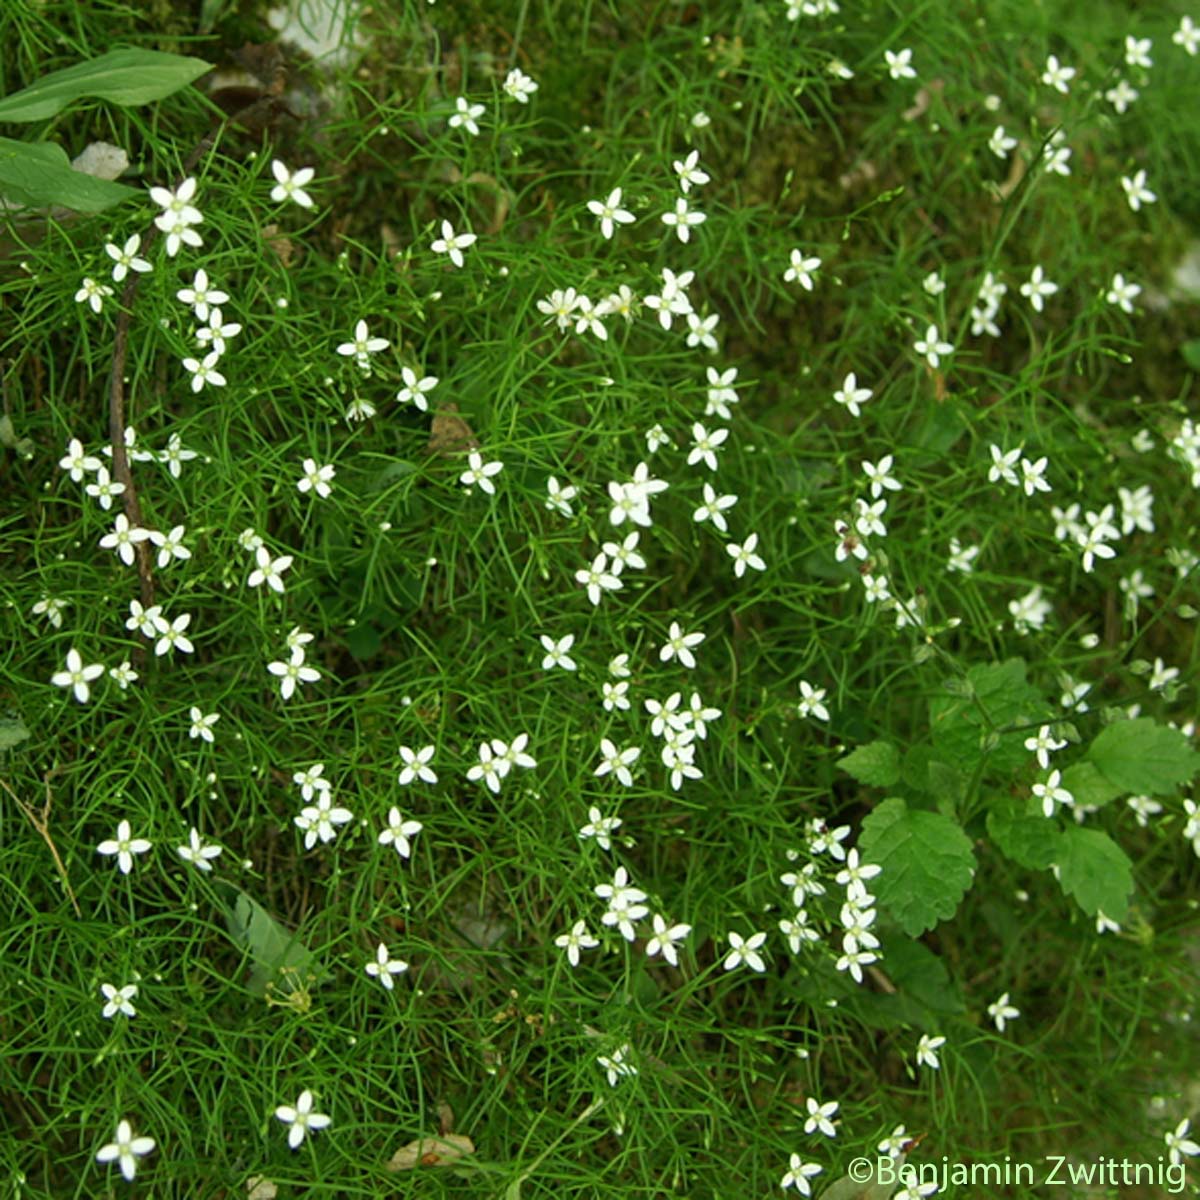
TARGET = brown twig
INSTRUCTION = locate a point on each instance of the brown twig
(41, 822)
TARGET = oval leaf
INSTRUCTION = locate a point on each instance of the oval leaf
(39, 175)
(122, 76)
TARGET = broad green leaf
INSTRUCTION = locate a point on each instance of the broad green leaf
(122, 76)
(876, 763)
(1027, 838)
(958, 727)
(927, 863)
(921, 974)
(1141, 756)
(277, 954)
(1085, 782)
(1096, 871)
(865, 1189)
(12, 732)
(39, 175)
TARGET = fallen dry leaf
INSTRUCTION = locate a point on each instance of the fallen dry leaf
(284, 247)
(258, 1187)
(431, 1152)
(449, 433)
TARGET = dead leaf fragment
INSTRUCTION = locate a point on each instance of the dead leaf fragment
(449, 433)
(258, 1187)
(431, 1152)
(284, 247)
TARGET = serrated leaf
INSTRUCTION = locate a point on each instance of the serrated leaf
(39, 175)
(1096, 871)
(876, 763)
(927, 862)
(278, 956)
(1031, 840)
(1141, 756)
(1085, 782)
(959, 729)
(122, 76)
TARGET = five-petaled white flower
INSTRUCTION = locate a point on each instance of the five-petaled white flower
(118, 1000)
(399, 832)
(124, 846)
(385, 967)
(301, 1118)
(745, 950)
(465, 114)
(610, 211)
(452, 243)
(480, 473)
(198, 852)
(315, 478)
(126, 1150)
(290, 184)
(77, 676)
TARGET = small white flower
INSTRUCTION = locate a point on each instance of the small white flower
(900, 64)
(1136, 191)
(557, 653)
(578, 939)
(819, 1117)
(126, 1150)
(452, 244)
(1122, 294)
(745, 555)
(124, 846)
(705, 445)
(802, 270)
(609, 212)
(204, 371)
(811, 702)
(1037, 287)
(1057, 76)
(558, 498)
(689, 172)
(683, 218)
(315, 478)
(385, 968)
(851, 396)
(664, 938)
(125, 258)
(77, 676)
(1000, 143)
(118, 1000)
(290, 184)
(198, 852)
(932, 346)
(415, 388)
(465, 115)
(518, 86)
(399, 832)
(926, 1051)
(93, 294)
(745, 951)
(480, 473)
(416, 765)
(679, 644)
(301, 1118)
(1001, 1011)
(1187, 36)
(617, 762)
(202, 724)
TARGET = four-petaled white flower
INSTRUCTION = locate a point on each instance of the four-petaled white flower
(1136, 191)
(293, 672)
(1037, 287)
(745, 951)
(798, 1174)
(683, 218)
(172, 635)
(125, 258)
(1000, 143)
(289, 185)
(124, 539)
(362, 346)
(900, 64)
(1179, 1144)
(932, 347)
(812, 702)
(200, 295)
(599, 827)
(452, 243)
(705, 446)
(104, 489)
(269, 570)
(689, 172)
(301, 1118)
(1051, 792)
(126, 1150)
(927, 1049)
(664, 938)
(77, 676)
(399, 832)
(465, 114)
(1042, 744)
(315, 478)
(744, 555)
(93, 294)
(1122, 293)
(385, 967)
(204, 371)
(414, 389)
(617, 761)
(1001, 1011)
(170, 545)
(118, 1000)
(819, 1116)
(202, 724)
(416, 765)
(1057, 76)
(558, 498)
(850, 395)
(519, 86)
(480, 473)
(198, 852)
(558, 653)
(609, 212)
(597, 578)
(577, 939)
(77, 462)
(679, 645)
(124, 846)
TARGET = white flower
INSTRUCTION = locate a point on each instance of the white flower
(700, 331)
(557, 653)
(77, 676)
(900, 64)
(932, 346)
(578, 939)
(416, 765)
(1056, 155)
(933, 284)
(880, 475)
(171, 635)
(124, 846)
(465, 114)
(123, 674)
(1187, 35)
(52, 607)
(597, 578)
(93, 294)
(518, 86)
(1033, 475)
(1000, 143)
(269, 570)
(126, 1150)
(170, 545)
(1137, 52)
(1002, 465)
(610, 211)
(617, 1065)
(819, 1117)
(315, 478)
(125, 258)
(850, 395)
(452, 244)
(104, 489)
(118, 1000)
(1037, 287)
(290, 184)
(399, 831)
(202, 724)
(1001, 1011)
(77, 462)
(690, 174)
(679, 644)
(414, 389)
(713, 508)
(745, 950)
(664, 939)
(558, 498)
(705, 445)
(1178, 1142)
(362, 346)
(301, 1118)
(853, 876)
(216, 331)
(204, 371)
(1122, 95)
(617, 761)
(292, 672)
(479, 472)
(1043, 743)
(683, 218)
(1136, 191)
(200, 295)
(811, 702)
(198, 852)
(123, 539)
(1122, 294)
(385, 967)
(926, 1051)
(744, 555)
(599, 827)
(798, 1174)
(1057, 76)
